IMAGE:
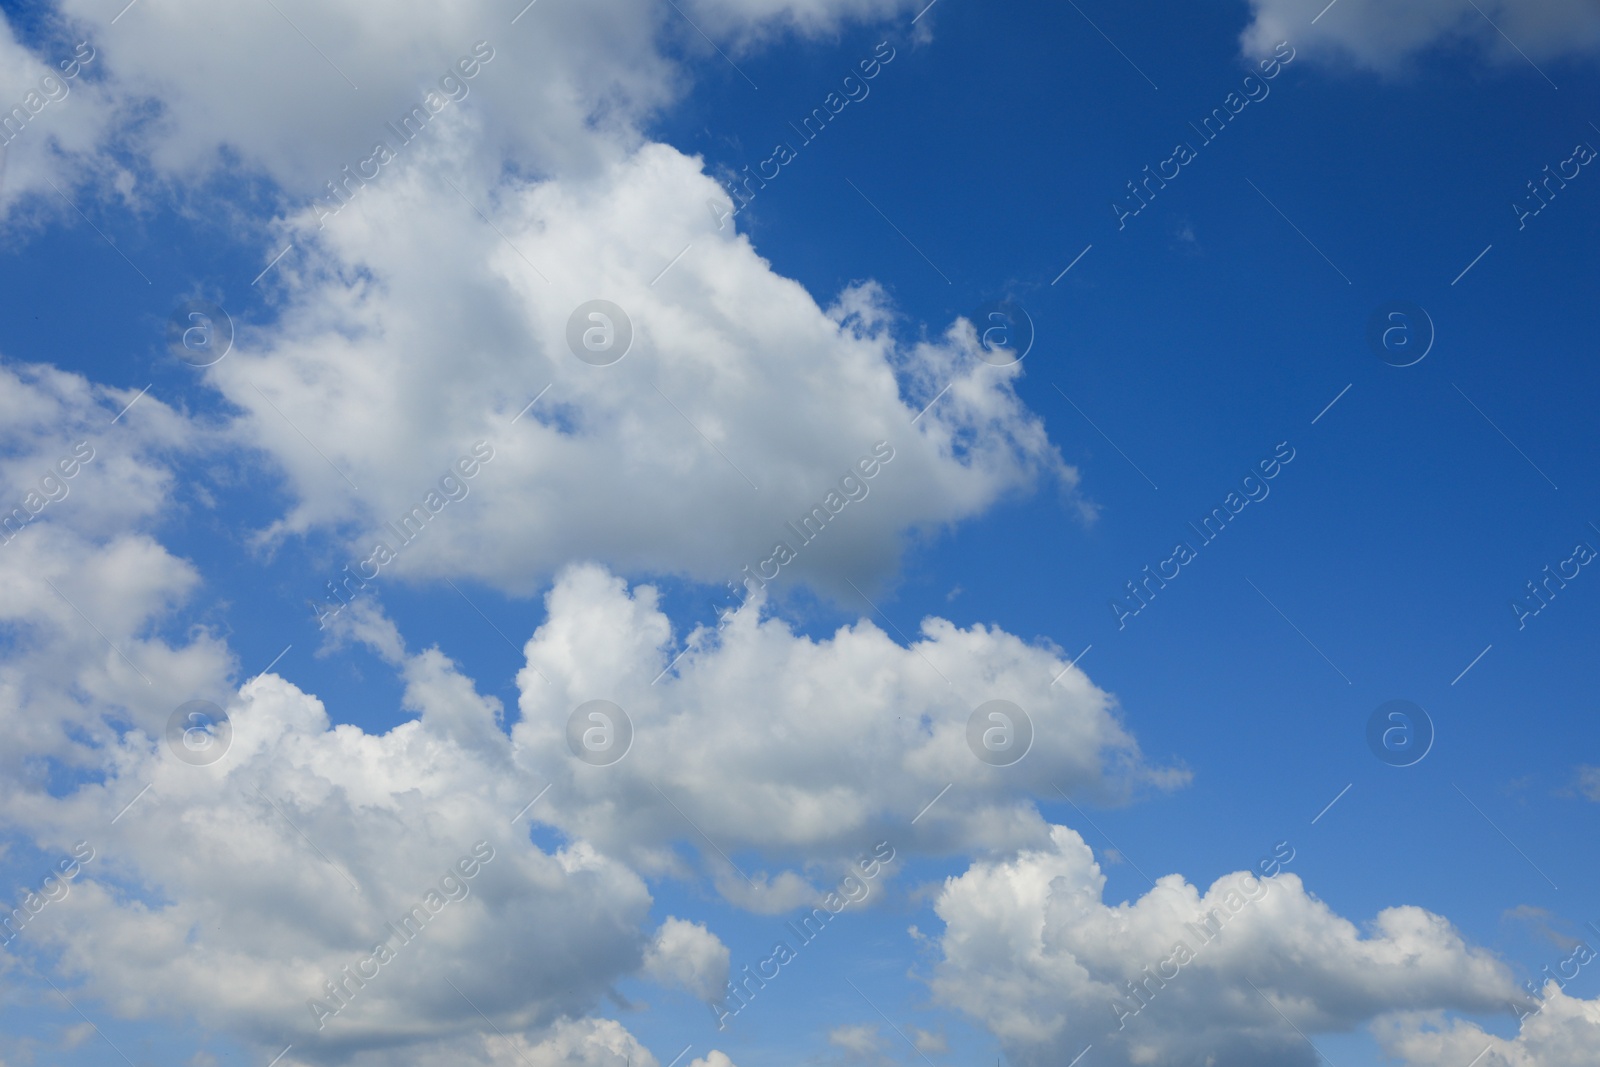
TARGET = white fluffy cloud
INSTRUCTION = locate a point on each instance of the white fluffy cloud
(1382, 35)
(804, 752)
(408, 327)
(687, 955)
(1565, 1032)
(414, 329)
(764, 740)
(85, 582)
(183, 90)
(411, 326)
(120, 477)
(52, 104)
(239, 890)
(566, 1043)
(1031, 949)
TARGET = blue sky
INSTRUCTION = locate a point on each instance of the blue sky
(1175, 351)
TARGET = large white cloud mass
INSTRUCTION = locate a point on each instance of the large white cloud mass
(413, 329)
(82, 577)
(184, 90)
(762, 739)
(235, 892)
(232, 892)
(1184, 977)
(421, 316)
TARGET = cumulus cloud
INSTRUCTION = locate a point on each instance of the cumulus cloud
(221, 860)
(183, 91)
(714, 1058)
(119, 477)
(254, 891)
(244, 889)
(1031, 950)
(687, 955)
(422, 317)
(86, 585)
(419, 320)
(566, 1043)
(52, 104)
(769, 741)
(1564, 1032)
(1382, 36)
(413, 330)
